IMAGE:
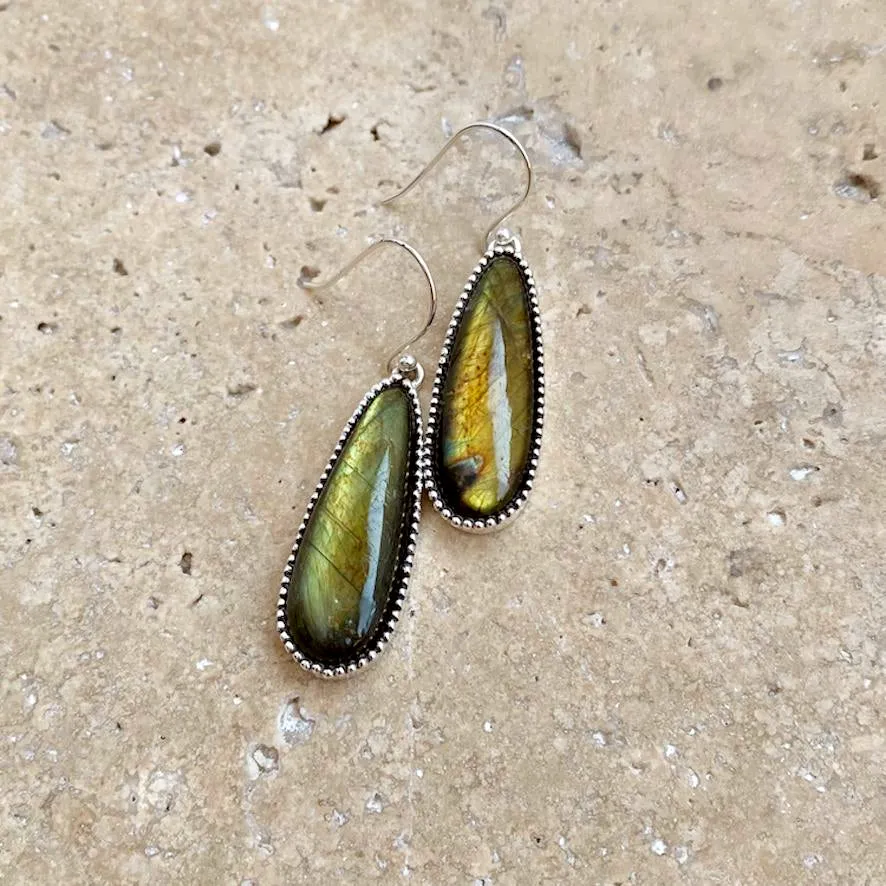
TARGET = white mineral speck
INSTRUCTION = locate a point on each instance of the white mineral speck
(266, 758)
(487, 726)
(776, 518)
(681, 853)
(375, 804)
(203, 664)
(659, 847)
(295, 724)
(8, 452)
(269, 19)
(599, 739)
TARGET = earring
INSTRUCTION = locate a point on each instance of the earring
(487, 407)
(345, 580)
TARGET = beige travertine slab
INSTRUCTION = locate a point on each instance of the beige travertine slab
(670, 669)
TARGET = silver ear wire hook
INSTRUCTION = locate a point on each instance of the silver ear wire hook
(480, 125)
(407, 364)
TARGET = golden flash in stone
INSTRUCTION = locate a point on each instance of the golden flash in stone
(486, 403)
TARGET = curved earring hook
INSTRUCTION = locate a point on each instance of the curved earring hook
(425, 270)
(480, 125)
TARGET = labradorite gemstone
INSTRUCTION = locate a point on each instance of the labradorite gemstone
(486, 408)
(345, 566)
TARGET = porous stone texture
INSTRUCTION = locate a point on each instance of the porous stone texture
(670, 669)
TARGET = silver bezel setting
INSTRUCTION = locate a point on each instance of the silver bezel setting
(507, 244)
(413, 493)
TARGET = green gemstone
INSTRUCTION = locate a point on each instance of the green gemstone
(486, 403)
(346, 563)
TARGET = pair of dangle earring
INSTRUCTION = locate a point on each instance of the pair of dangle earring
(345, 580)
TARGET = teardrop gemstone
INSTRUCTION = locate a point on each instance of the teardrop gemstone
(486, 397)
(346, 564)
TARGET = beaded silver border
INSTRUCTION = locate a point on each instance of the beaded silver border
(504, 243)
(404, 567)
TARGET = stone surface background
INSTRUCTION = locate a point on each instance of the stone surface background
(671, 668)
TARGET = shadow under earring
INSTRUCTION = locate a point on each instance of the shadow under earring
(345, 581)
(487, 407)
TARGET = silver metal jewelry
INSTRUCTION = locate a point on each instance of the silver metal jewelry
(408, 376)
(500, 243)
(504, 243)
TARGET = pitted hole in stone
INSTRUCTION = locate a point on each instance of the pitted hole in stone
(294, 723)
(332, 121)
(262, 760)
(241, 387)
(306, 274)
(858, 187)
